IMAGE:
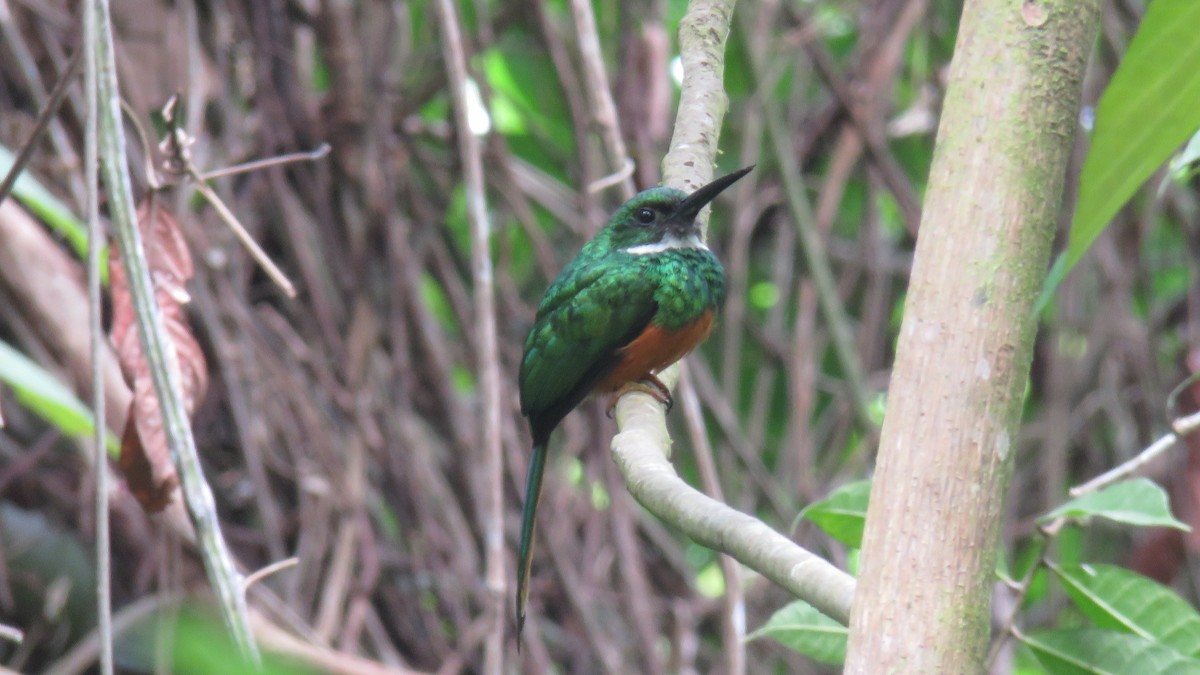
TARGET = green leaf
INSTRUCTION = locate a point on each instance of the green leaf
(1094, 651)
(801, 627)
(1151, 106)
(198, 644)
(35, 197)
(842, 514)
(1058, 272)
(1133, 502)
(39, 391)
(1114, 597)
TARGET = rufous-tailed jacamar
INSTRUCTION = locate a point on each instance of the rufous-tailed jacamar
(641, 294)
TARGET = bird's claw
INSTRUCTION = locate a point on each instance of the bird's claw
(649, 385)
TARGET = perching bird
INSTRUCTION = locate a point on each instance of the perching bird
(638, 297)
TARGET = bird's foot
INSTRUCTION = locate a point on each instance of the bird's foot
(649, 385)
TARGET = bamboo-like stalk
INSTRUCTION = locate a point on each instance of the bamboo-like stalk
(96, 338)
(486, 342)
(159, 351)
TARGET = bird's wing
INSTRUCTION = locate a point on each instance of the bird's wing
(594, 312)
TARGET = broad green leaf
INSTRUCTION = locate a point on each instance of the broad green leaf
(801, 627)
(39, 391)
(1133, 502)
(1114, 597)
(46, 206)
(842, 514)
(1094, 651)
(1151, 106)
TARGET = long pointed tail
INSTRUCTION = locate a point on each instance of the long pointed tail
(533, 494)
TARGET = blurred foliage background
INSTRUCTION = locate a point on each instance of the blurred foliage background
(341, 427)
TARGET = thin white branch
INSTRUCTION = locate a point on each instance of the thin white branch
(486, 341)
(1183, 426)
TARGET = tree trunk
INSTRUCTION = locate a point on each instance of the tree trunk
(945, 457)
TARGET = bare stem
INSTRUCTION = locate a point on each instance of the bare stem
(486, 345)
(600, 95)
(1183, 426)
(260, 256)
(319, 153)
(267, 571)
(11, 634)
(95, 330)
(158, 349)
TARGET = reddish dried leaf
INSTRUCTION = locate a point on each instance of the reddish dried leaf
(152, 485)
(145, 460)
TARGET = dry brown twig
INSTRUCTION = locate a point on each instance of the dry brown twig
(43, 120)
(176, 145)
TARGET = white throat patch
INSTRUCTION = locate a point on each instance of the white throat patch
(669, 242)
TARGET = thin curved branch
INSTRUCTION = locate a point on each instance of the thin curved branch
(642, 447)
(639, 450)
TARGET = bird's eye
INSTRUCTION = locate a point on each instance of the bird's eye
(644, 216)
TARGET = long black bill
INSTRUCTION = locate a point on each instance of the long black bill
(691, 206)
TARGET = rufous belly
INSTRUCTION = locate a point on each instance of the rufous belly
(654, 350)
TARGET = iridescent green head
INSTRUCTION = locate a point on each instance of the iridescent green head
(662, 218)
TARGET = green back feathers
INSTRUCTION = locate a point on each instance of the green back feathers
(597, 306)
